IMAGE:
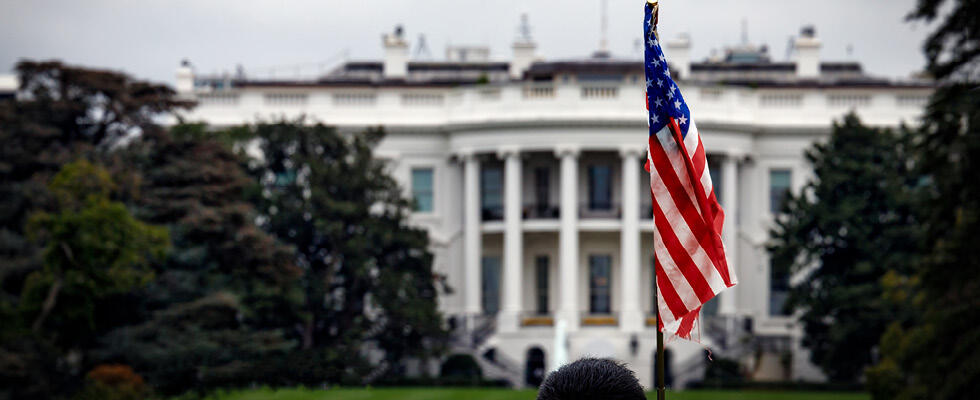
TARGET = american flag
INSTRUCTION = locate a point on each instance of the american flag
(690, 257)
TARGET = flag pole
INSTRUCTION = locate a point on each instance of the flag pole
(661, 389)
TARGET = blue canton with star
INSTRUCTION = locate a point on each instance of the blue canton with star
(663, 95)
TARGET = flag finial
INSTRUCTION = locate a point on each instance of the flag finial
(655, 11)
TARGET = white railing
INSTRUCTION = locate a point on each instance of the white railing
(517, 102)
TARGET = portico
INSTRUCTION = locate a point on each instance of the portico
(601, 197)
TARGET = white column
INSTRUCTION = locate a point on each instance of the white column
(568, 310)
(729, 200)
(472, 235)
(631, 311)
(513, 238)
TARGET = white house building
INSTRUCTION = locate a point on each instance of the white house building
(528, 175)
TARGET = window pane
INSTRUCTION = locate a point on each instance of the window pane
(714, 171)
(542, 186)
(491, 284)
(491, 193)
(600, 187)
(779, 183)
(422, 189)
(541, 275)
(778, 289)
(599, 282)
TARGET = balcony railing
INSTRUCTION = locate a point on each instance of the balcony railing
(607, 210)
(590, 319)
(540, 211)
(534, 318)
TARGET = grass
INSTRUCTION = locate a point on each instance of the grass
(502, 394)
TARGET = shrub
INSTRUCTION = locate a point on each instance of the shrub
(113, 382)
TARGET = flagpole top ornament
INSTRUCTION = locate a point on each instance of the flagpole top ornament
(655, 11)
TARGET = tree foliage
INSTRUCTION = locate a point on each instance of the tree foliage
(63, 114)
(220, 310)
(367, 275)
(952, 50)
(851, 224)
(93, 248)
(934, 355)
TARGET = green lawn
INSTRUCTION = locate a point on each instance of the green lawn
(495, 394)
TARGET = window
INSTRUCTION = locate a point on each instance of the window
(491, 284)
(422, 189)
(541, 289)
(600, 267)
(779, 180)
(600, 187)
(778, 289)
(491, 193)
(542, 191)
(714, 172)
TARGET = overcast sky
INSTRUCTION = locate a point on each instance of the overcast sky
(149, 38)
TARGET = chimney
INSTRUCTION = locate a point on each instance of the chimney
(396, 54)
(807, 48)
(523, 48)
(185, 77)
(523, 58)
(679, 55)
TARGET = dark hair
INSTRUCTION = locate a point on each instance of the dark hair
(592, 378)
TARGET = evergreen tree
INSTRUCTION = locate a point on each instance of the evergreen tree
(221, 311)
(61, 114)
(367, 275)
(92, 249)
(935, 355)
(851, 225)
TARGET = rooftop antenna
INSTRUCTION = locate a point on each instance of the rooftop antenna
(790, 47)
(524, 29)
(745, 31)
(422, 50)
(603, 40)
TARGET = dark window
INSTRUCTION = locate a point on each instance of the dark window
(491, 193)
(491, 284)
(422, 189)
(716, 183)
(541, 276)
(600, 271)
(778, 289)
(779, 183)
(600, 187)
(534, 371)
(542, 186)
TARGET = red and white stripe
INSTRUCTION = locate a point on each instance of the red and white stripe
(691, 267)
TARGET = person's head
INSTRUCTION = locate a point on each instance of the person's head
(591, 378)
